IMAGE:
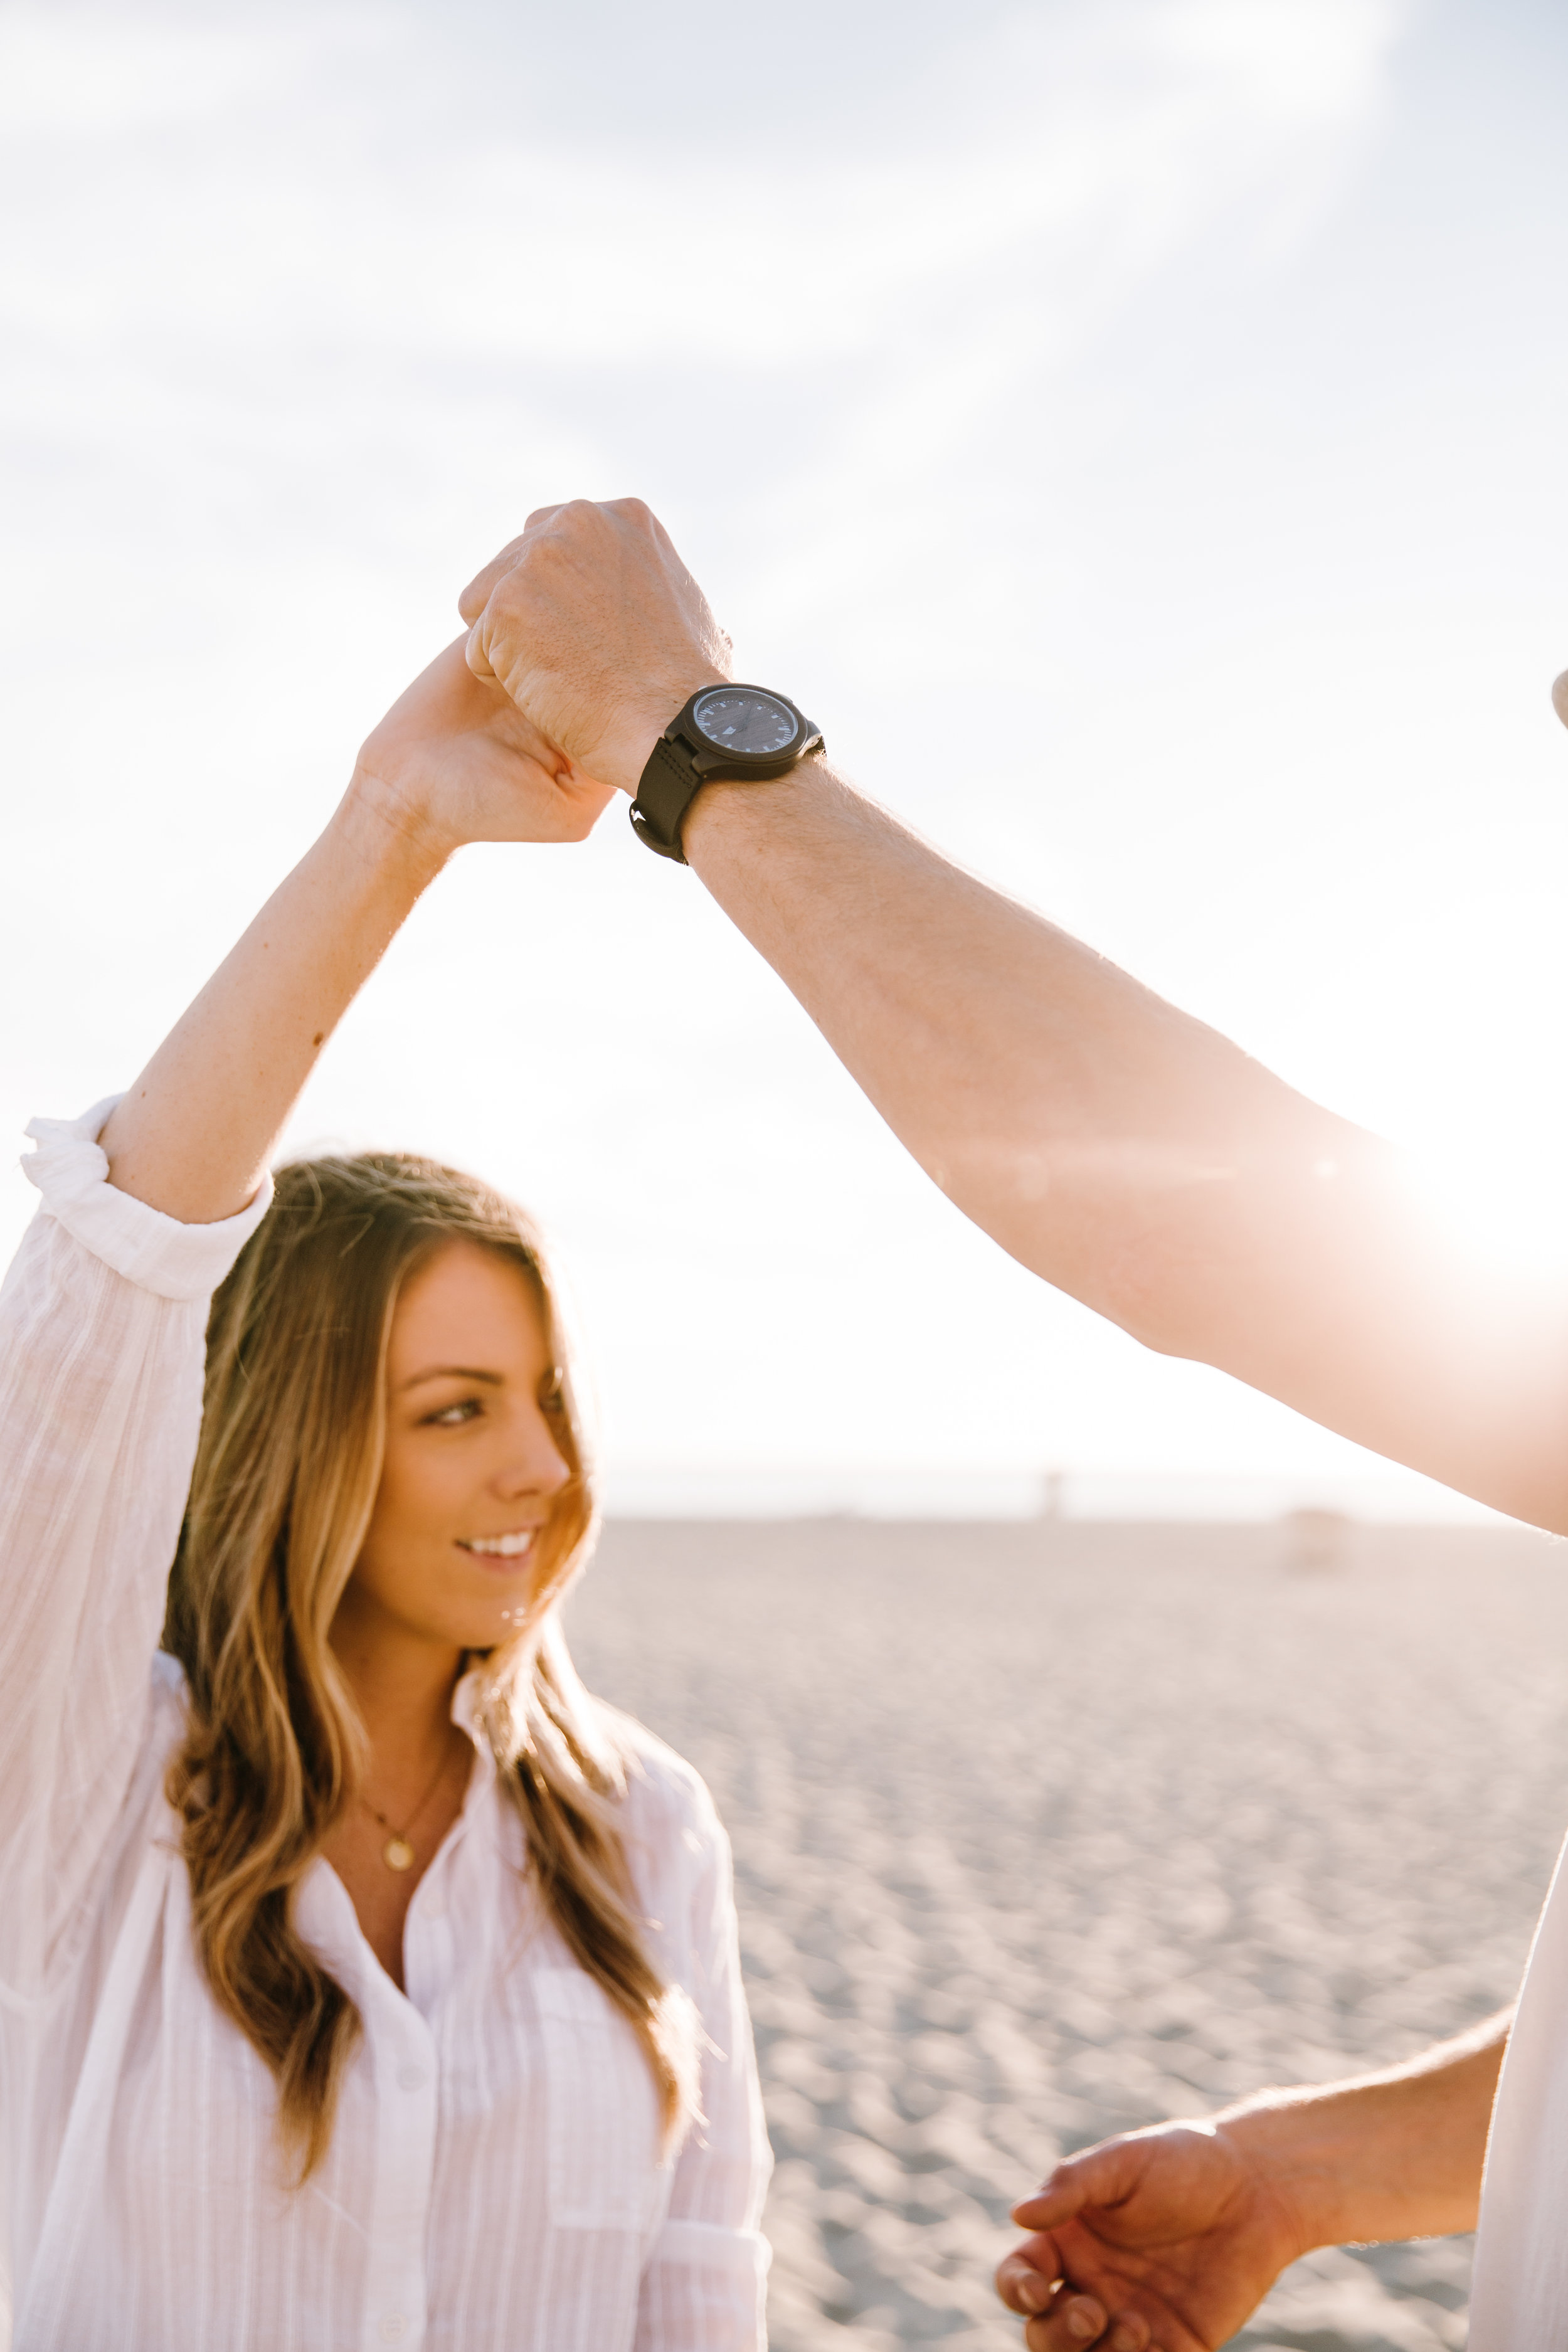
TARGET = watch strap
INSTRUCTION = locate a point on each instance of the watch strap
(666, 790)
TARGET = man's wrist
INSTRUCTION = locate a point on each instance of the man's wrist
(1296, 2144)
(654, 712)
(1396, 2155)
(724, 809)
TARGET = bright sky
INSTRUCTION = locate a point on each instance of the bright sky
(1132, 428)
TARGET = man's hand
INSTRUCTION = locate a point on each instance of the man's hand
(1165, 2238)
(596, 630)
(455, 760)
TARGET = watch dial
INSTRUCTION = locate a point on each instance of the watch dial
(737, 718)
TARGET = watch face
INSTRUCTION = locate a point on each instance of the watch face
(741, 719)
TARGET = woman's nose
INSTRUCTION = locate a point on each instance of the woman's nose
(537, 1465)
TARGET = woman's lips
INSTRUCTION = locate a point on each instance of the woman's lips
(505, 1550)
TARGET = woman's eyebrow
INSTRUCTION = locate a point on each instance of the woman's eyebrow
(451, 1372)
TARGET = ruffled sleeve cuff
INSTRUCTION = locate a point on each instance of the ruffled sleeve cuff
(157, 1253)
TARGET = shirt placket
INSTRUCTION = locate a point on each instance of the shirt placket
(405, 2108)
(409, 2062)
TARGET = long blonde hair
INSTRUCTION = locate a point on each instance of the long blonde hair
(289, 1460)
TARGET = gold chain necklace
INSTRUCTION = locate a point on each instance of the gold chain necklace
(398, 1853)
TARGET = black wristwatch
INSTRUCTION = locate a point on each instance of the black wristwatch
(731, 734)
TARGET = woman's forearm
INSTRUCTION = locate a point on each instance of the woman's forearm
(193, 1133)
(1394, 2155)
(452, 761)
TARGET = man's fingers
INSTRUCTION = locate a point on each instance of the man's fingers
(474, 651)
(1071, 2322)
(1560, 698)
(1063, 2317)
(476, 595)
(1026, 2286)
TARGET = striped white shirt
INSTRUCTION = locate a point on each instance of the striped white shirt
(494, 2178)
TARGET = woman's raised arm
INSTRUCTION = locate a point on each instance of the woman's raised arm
(103, 1313)
(453, 761)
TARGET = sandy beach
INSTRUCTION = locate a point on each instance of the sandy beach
(1044, 1830)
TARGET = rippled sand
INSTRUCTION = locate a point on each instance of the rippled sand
(1043, 1831)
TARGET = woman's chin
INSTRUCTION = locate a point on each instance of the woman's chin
(490, 1629)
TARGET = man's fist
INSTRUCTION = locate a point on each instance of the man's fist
(596, 630)
(1164, 2238)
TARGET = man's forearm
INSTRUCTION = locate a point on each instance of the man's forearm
(1394, 2155)
(1133, 1156)
(1034, 1080)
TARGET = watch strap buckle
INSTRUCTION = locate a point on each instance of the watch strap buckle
(666, 790)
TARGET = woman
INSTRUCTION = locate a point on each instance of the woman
(362, 1980)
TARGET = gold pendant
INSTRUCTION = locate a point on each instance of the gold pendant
(398, 1854)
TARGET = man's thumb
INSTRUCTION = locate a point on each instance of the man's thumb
(1098, 2177)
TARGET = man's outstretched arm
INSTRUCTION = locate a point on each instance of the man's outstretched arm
(1119, 1149)
(1173, 2236)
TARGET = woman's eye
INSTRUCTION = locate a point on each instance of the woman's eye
(452, 1416)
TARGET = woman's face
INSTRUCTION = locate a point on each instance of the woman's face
(474, 1462)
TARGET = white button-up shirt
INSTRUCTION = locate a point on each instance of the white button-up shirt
(494, 2177)
(1518, 2294)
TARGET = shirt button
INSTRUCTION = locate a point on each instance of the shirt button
(410, 2078)
(393, 2327)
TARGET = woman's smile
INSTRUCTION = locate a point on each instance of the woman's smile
(515, 1546)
